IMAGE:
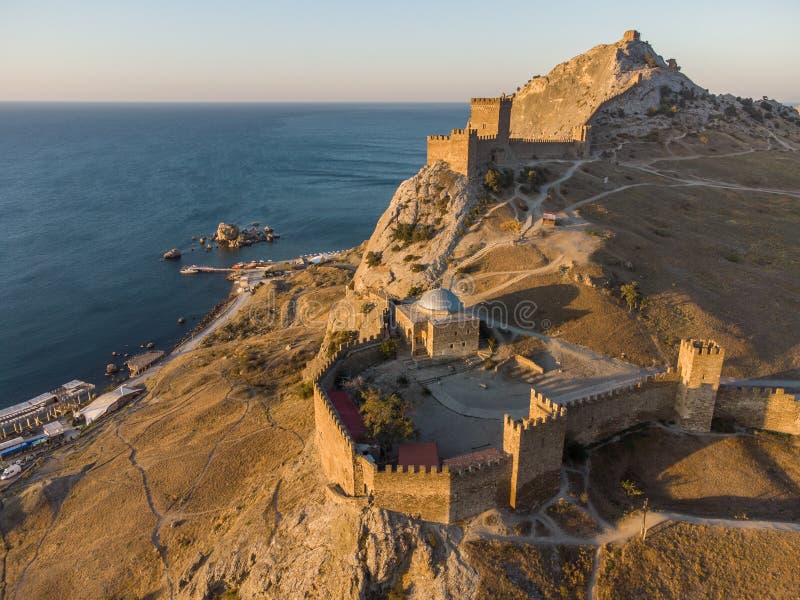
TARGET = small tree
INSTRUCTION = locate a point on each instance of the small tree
(492, 181)
(386, 418)
(374, 258)
(630, 293)
(389, 348)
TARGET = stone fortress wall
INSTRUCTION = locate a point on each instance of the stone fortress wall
(528, 469)
(487, 140)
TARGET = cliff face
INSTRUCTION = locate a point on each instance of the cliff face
(417, 232)
(568, 96)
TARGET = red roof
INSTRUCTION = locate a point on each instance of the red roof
(348, 412)
(422, 454)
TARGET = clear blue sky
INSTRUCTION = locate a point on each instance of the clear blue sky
(207, 50)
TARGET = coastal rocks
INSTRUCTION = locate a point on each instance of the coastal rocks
(181, 320)
(173, 254)
(229, 235)
(111, 368)
(149, 345)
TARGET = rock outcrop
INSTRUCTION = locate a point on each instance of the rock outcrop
(418, 231)
(231, 236)
(173, 254)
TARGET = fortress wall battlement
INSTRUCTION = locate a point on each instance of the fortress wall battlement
(442, 138)
(491, 101)
(479, 487)
(597, 417)
(418, 491)
(334, 444)
(700, 347)
(759, 408)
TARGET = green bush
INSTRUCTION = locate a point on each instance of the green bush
(374, 258)
(414, 290)
(417, 267)
(389, 348)
(411, 233)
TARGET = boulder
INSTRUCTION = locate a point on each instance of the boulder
(173, 254)
(227, 234)
(111, 368)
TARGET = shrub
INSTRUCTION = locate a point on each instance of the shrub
(414, 290)
(412, 232)
(389, 348)
(417, 267)
(367, 307)
(374, 258)
(410, 257)
(305, 389)
(511, 225)
(496, 180)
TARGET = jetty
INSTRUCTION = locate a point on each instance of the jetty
(192, 269)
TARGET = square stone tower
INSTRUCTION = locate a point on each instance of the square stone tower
(490, 117)
(699, 367)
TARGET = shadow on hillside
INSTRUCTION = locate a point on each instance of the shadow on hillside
(527, 308)
(666, 468)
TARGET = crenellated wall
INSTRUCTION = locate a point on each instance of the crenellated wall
(336, 447)
(528, 469)
(760, 408)
(487, 140)
(600, 416)
(419, 491)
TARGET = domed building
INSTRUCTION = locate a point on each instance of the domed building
(436, 325)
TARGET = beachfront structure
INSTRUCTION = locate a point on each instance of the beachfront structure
(44, 406)
(108, 402)
(139, 363)
(436, 325)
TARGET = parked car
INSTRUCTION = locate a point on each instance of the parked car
(11, 472)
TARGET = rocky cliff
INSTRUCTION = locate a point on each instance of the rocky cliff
(418, 231)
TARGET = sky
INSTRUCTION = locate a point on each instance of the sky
(378, 51)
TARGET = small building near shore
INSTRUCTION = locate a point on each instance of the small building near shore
(437, 325)
(108, 402)
(549, 219)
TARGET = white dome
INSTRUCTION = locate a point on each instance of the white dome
(440, 300)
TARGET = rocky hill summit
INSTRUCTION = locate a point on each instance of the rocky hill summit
(625, 91)
(569, 96)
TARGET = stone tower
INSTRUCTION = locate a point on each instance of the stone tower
(491, 117)
(536, 445)
(631, 36)
(699, 367)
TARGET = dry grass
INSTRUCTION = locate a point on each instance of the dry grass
(513, 572)
(509, 258)
(694, 561)
(712, 475)
(582, 315)
(713, 263)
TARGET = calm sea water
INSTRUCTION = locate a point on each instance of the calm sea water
(92, 195)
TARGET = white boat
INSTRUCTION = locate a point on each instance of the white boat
(190, 270)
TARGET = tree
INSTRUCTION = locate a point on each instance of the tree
(386, 418)
(630, 293)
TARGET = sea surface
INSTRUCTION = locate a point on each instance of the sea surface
(91, 195)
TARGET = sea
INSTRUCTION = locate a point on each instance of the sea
(91, 196)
